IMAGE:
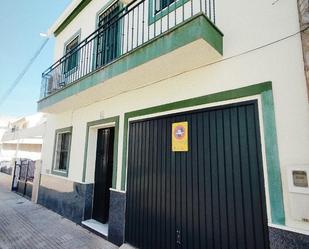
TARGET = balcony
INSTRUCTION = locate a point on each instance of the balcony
(138, 44)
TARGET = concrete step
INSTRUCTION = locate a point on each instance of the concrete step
(127, 246)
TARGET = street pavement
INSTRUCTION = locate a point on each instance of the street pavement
(24, 224)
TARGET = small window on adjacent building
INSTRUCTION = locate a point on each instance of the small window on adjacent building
(62, 151)
(162, 4)
(72, 59)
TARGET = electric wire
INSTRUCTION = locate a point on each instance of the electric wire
(206, 65)
(6, 94)
(37, 53)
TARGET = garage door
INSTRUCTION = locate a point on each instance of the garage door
(211, 196)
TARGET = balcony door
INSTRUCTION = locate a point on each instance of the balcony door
(108, 39)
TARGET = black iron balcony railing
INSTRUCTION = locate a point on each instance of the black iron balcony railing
(120, 33)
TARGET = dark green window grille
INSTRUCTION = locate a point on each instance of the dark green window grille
(162, 4)
(71, 61)
(109, 35)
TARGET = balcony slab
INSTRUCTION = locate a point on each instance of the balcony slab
(192, 43)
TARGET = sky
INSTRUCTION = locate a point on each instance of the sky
(21, 22)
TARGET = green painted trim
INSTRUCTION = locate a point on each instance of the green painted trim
(199, 27)
(57, 172)
(272, 158)
(103, 9)
(71, 17)
(77, 33)
(73, 70)
(152, 17)
(115, 159)
(275, 185)
(216, 97)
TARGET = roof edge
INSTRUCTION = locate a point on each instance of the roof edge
(67, 16)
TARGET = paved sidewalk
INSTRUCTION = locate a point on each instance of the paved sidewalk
(24, 224)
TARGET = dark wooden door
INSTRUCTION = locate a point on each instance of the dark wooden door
(103, 174)
(211, 197)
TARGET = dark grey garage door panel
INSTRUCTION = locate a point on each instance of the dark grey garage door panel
(209, 197)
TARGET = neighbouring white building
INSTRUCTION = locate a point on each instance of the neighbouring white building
(4, 126)
(23, 138)
(180, 123)
(20, 147)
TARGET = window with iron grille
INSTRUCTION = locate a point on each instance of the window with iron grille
(71, 61)
(158, 9)
(162, 4)
(62, 151)
(108, 39)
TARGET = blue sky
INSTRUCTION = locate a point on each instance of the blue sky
(20, 24)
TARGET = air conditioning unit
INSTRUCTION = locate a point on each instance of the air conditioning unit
(54, 83)
(50, 84)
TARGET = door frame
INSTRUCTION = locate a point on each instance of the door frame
(255, 100)
(95, 129)
(91, 146)
(271, 165)
(218, 105)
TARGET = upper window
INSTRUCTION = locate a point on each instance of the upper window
(62, 151)
(108, 40)
(72, 59)
(158, 9)
(162, 4)
(109, 16)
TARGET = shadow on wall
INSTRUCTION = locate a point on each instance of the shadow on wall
(74, 205)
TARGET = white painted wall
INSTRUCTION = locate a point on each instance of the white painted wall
(25, 141)
(246, 25)
(86, 21)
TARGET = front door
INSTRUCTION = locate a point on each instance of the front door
(103, 174)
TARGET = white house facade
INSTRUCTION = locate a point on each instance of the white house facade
(23, 138)
(179, 123)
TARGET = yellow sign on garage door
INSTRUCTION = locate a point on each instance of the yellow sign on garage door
(180, 136)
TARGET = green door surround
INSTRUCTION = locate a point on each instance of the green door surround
(270, 136)
(114, 120)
